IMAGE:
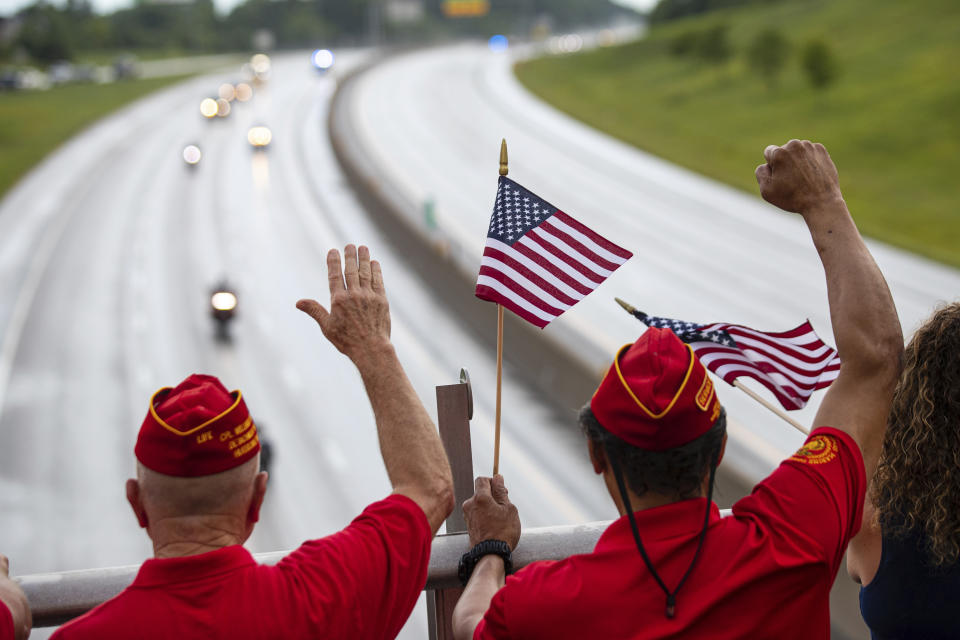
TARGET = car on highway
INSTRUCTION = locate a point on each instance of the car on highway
(322, 60)
(192, 155)
(259, 137)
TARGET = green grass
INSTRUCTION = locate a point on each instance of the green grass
(891, 121)
(34, 123)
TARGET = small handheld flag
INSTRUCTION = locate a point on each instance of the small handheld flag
(791, 364)
(539, 261)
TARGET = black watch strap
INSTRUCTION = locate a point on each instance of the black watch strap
(470, 559)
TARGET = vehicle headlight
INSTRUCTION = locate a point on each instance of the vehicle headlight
(191, 154)
(259, 136)
(223, 301)
(208, 107)
(322, 59)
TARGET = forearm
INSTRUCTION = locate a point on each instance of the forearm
(412, 452)
(15, 600)
(866, 329)
(864, 318)
(488, 577)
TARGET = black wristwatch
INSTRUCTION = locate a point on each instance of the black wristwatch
(470, 559)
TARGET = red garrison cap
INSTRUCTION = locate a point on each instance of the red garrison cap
(656, 395)
(196, 429)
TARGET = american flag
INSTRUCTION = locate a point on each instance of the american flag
(538, 261)
(792, 364)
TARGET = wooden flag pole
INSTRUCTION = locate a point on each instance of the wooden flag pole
(756, 396)
(496, 434)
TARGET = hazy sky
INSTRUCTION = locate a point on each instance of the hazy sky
(7, 7)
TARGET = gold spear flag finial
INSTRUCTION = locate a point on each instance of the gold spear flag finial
(503, 157)
(626, 305)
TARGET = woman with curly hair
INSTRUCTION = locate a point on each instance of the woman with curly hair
(907, 554)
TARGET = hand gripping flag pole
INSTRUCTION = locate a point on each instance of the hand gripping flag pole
(781, 362)
(496, 434)
(537, 262)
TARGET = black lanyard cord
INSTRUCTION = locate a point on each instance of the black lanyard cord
(671, 596)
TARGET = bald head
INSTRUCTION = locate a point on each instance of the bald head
(225, 493)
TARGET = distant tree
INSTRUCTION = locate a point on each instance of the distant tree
(768, 54)
(713, 45)
(684, 43)
(666, 10)
(44, 34)
(819, 63)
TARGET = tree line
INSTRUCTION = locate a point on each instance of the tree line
(45, 33)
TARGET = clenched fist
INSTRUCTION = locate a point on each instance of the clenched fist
(798, 177)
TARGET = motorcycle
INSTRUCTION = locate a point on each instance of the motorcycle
(223, 308)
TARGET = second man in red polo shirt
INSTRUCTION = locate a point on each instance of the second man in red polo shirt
(671, 566)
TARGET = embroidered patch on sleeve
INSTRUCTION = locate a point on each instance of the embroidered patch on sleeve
(817, 450)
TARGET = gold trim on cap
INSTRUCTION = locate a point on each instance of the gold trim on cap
(686, 378)
(163, 424)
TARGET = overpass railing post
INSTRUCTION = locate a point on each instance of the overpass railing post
(454, 411)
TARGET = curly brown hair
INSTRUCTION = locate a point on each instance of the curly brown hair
(917, 484)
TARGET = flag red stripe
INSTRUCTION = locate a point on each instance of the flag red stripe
(579, 247)
(731, 371)
(803, 330)
(593, 235)
(776, 377)
(519, 290)
(534, 235)
(712, 351)
(490, 252)
(788, 402)
(795, 361)
(808, 356)
(522, 248)
(491, 295)
(717, 358)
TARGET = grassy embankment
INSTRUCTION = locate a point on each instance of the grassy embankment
(34, 123)
(891, 120)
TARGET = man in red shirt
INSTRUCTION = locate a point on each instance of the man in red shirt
(15, 618)
(671, 566)
(199, 489)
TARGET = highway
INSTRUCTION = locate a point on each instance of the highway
(109, 248)
(108, 252)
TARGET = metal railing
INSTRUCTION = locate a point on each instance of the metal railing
(58, 597)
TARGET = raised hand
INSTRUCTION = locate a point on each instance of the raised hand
(798, 177)
(358, 322)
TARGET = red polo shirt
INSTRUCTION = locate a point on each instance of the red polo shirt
(7, 632)
(362, 582)
(764, 572)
